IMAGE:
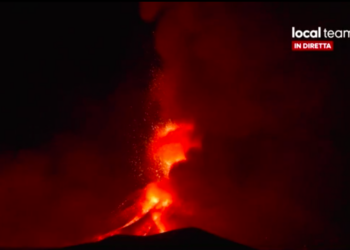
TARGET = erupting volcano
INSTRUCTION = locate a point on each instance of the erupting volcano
(168, 146)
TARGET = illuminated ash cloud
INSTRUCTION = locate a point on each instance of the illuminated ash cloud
(260, 109)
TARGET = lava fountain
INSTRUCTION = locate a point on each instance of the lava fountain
(169, 145)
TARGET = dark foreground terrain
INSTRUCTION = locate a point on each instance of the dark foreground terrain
(190, 238)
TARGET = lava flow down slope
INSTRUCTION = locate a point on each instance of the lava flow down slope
(150, 211)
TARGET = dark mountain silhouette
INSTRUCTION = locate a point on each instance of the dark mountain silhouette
(189, 238)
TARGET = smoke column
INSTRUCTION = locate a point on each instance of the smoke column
(268, 174)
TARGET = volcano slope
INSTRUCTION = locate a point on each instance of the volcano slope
(189, 238)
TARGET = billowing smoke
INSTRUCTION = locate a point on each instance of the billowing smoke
(268, 174)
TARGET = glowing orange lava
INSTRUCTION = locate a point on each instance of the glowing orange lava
(169, 145)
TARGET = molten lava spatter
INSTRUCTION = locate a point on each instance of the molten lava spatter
(171, 143)
(168, 146)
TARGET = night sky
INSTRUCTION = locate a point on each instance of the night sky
(73, 84)
(55, 56)
(76, 115)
